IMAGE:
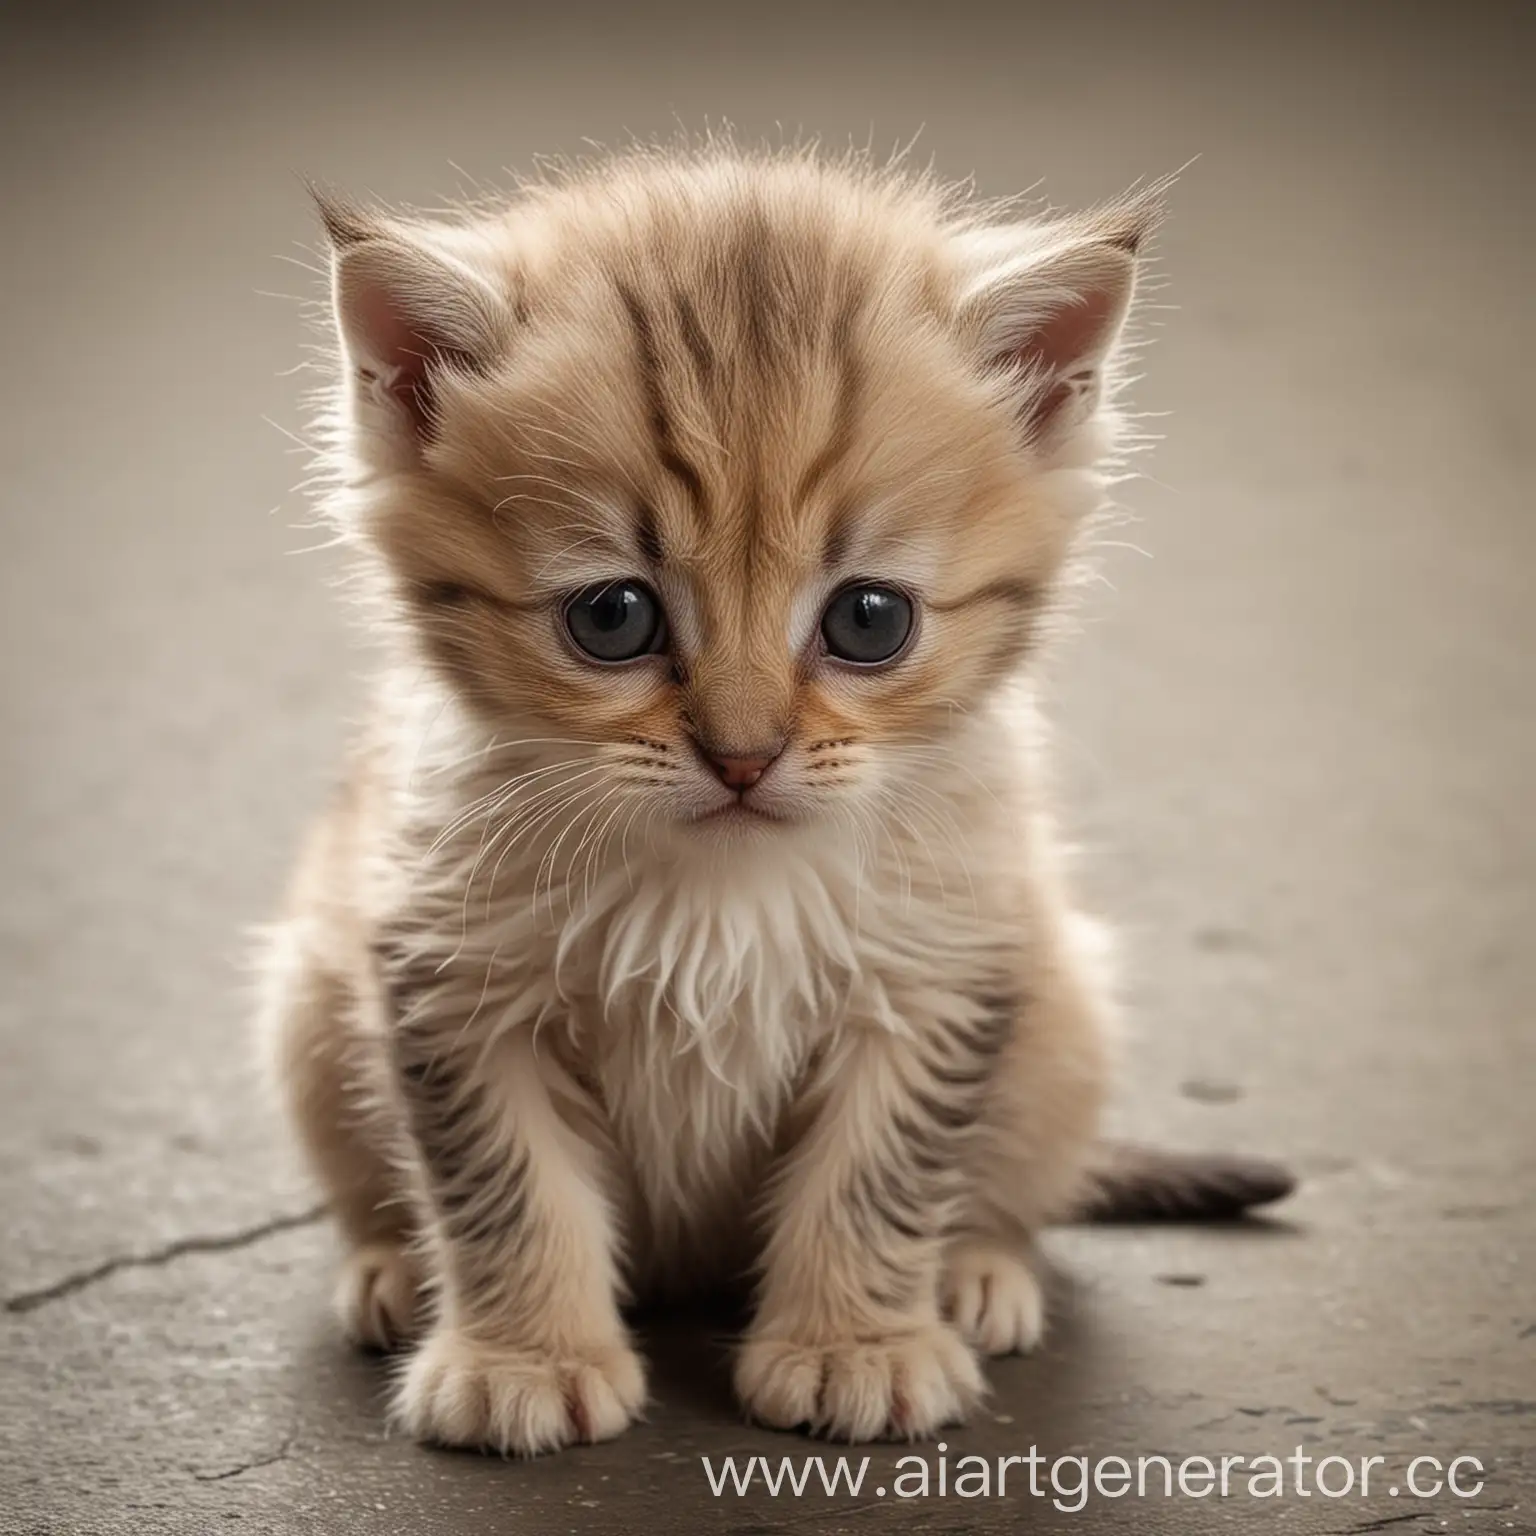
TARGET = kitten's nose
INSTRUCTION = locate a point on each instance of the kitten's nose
(741, 772)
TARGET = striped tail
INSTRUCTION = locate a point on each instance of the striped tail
(1128, 1183)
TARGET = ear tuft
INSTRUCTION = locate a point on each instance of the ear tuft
(346, 222)
(1129, 222)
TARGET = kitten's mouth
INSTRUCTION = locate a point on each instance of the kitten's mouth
(738, 812)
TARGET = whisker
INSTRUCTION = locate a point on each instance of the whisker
(522, 814)
(491, 802)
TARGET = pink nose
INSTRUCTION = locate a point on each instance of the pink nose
(740, 772)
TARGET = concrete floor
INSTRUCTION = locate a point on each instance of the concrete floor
(1300, 740)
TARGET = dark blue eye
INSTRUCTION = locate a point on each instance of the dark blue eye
(867, 625)
(616, 621)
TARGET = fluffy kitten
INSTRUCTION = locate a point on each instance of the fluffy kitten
(691, 909)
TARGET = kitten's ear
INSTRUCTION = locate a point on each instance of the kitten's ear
(1045, 304)
(407, 307)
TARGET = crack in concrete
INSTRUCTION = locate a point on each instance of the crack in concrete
(27, 1301)
(1379, 1525)
(280, 1454)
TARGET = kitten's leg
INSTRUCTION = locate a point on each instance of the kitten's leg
(313, 1029)
(527, 1352)
(1037, 1131)
(848, 1337)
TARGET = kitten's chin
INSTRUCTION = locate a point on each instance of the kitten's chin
(736, 820)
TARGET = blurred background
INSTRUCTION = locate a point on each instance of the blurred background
(1298, 728)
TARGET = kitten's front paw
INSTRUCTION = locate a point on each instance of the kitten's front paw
(376, 1296)
(993, 1296)
(458, 1392)
(899, 1387)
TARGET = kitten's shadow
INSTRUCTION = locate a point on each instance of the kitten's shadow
(689, 1348)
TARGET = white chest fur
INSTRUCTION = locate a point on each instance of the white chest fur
(698, 996)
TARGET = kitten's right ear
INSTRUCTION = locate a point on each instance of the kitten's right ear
(1044, 303)
(406, 311)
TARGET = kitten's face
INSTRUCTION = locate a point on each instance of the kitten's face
(736, 522)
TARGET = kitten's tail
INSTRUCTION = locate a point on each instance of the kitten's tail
(1129, 1183)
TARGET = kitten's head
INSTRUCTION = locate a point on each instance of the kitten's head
(740, 480)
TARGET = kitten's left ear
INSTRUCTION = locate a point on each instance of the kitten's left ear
(1045, 304)
(410, 302)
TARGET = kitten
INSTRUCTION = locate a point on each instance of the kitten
(691, 910)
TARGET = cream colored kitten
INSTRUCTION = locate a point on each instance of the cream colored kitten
(691, 911)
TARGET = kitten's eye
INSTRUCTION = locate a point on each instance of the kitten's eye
(616, 621)
(867, 625)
